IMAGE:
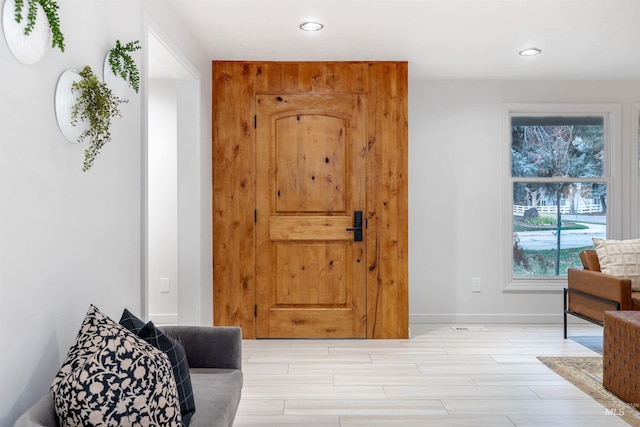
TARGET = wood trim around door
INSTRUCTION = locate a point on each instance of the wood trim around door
(235, 86)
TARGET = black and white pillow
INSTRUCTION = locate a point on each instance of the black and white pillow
(112, 378)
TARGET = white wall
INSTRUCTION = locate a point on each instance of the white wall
(163, 200)
(194, 166)
(68, 238)
(455, 193)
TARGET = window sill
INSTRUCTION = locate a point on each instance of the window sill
(536, 285)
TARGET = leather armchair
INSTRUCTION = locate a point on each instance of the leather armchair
(589, 292)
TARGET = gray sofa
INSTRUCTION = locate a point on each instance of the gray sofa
(215, 361)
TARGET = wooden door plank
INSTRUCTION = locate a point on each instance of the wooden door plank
(389, 209)
(402, 221)
(233, 196)
(290, 78)
(375, 302)
(306, 325)
(265, 151)
(275, 77)
(261, 84)
(310, 78)
(310, 228)
(385, 279)
(358, 77)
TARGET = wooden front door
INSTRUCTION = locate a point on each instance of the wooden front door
(310, 182)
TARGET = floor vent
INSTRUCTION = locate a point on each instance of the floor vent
(469, 328)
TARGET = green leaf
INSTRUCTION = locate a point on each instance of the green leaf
(97, 105)
(50, 8)
(123, 65)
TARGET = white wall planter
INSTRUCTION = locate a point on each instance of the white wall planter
(64, 102)
(27, 49)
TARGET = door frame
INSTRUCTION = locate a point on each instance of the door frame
(162, 59)
(235, 86)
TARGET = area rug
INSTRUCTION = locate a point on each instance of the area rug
(586, 374)
(593, 343)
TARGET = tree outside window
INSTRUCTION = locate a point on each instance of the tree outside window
(559, 191)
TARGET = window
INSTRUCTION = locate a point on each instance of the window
(558, 191)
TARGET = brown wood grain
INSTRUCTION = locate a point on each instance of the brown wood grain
(313, 275)
(310, 228)
(317, 158)
(310, 167)
(384, 86)
(233, 196)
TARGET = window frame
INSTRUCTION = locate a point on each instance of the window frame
(634, 171)
(611, 114)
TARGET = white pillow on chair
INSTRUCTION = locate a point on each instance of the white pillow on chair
(620, 258)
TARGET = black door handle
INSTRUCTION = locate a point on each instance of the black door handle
(357, 226)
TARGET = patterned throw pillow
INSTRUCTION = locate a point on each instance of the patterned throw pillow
(131, 322)
(620, 258)
(178, 358)
(112, 378)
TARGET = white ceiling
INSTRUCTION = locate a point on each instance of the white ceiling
(441, 39)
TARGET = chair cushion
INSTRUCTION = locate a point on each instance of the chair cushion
(217, 393)
(620, 258)
(111, 377)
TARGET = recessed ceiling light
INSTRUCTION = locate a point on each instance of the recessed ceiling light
(311, 26)
(532, 51)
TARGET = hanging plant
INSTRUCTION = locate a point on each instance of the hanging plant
(123, 65)
(50, 8)
(95, 104)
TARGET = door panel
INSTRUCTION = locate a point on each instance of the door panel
(310, 178)
(310, 163)
(310, 227)
(310, 275)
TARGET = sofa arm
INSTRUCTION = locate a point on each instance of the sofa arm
(209, 346)
(41, 414)
(601, 285)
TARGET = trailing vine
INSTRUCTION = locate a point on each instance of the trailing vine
(50, 8)
(123, 65)
(95, 104)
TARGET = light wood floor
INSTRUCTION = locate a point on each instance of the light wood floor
(439, 377)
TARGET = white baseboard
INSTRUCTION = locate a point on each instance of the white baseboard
(164, 319)
(491, 318)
